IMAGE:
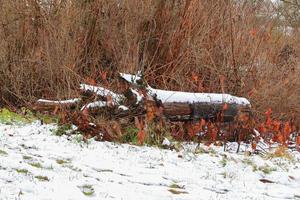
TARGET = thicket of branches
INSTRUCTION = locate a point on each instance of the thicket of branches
(237, 47)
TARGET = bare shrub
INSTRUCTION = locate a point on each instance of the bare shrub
(48, 47)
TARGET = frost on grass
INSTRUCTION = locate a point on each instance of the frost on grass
(37, 164)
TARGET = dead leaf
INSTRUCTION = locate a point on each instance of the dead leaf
(90, 81)
(298, 140)
(141, 137)
(109, 100)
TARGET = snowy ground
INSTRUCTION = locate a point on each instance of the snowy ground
(35, 164)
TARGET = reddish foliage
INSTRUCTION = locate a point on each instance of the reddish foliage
(280, 139)
(194, 128)
(197, 81)
(287, 130)
(202, 124)
(212, 131)
(298, 140)
(151, 111)
(141, 134)
(109, 100)
(90, 81)
(195, 77)
(225, 106)
(276, 126)
(253, 32)
(191, 130)
(141, 137)
(104, 76)
(268, 120)
(253, 145)
(274, 129)
(262, 129)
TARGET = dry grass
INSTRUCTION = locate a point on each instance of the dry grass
(48, 48)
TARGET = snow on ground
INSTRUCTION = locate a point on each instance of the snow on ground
(35, 164)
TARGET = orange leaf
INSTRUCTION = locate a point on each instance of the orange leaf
(141, 137)
(253, 145)
(225, 106)
(138, 124)
(104, 76)
(251, 92)
(268, 112)
(55, 110)
(90, 81)
(298, 140)
(202, 124)
(151, 110)
(214, 134)
(268, 115)
(191, 131)
(262, 129)
(287, 129)
(276, 125)
(268, 122)
(117, 128)
(141, 134)
(253, 32)
(109, 100)
(243, 117)
(281, 139)
(195, 77)
(150, 116)
(85, 112)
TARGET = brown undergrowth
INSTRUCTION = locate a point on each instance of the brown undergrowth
(49, 47)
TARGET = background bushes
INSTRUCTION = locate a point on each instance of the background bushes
(238, 47)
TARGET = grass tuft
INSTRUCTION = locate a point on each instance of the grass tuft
(35, 164)
(174, 191)
(87, 190)
(2, 152)
(266, 169)
(61, 161)
(27, 157)
(42, 178)
(22, 171)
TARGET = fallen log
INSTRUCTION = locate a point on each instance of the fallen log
(43, 104)
(140, 98)
(69, 102)
(197, 111)
(187, 106)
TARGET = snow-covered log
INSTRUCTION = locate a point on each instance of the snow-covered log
(63, 102)
(102, 92)
(183, 106)
(167, 96)
(175, 105)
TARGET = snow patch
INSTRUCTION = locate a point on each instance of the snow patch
(36, 164)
